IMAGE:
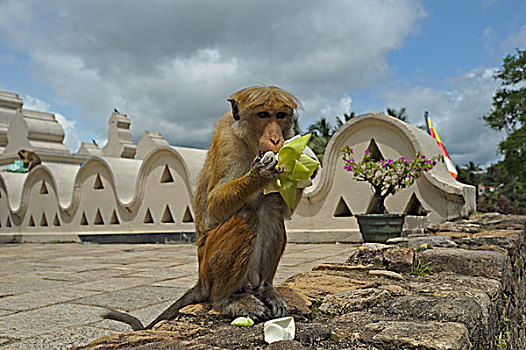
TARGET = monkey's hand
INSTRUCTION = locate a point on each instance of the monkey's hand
(266, 167)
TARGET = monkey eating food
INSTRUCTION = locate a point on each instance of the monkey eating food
(31, 159)
(240, 231)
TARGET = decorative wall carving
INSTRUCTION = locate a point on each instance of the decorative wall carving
(109, 192)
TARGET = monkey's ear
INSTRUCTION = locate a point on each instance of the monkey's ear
(235, 109)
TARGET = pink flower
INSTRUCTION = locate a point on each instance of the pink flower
(387, 173)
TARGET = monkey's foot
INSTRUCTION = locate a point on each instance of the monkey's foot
(245, 304)
(272, 299)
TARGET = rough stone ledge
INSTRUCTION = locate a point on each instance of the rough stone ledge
(459, 287)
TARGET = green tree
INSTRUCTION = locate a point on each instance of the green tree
(509, 195)
(509, 113)
(346, 118)
(322, 131)
(296, 124)
(471, 173)
(399, 114)
(321, 134)
(322, 128)
(495, 175)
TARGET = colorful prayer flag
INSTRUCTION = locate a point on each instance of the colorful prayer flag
(434, 134)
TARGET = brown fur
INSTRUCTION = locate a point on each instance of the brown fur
(240, 232)
(31, 159)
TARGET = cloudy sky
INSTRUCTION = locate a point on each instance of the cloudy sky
(170, 65)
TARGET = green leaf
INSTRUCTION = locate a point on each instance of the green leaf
(243, 322)
(297, 167)
(310, 163)
(288, 192)
(273, 186)
(292, 150)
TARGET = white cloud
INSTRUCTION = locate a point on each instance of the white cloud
(456, 113)
(72, 139)
(171, 66)
(489, 38)
(515, 40)
(35, 103)
(489, 3)
(327, 107)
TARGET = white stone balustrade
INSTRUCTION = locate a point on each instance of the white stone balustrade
(108, 192)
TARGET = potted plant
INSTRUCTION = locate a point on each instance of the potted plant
(386, 176)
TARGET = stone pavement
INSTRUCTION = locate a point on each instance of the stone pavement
(52, 295)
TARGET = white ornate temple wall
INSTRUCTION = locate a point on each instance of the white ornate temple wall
(328, 207)
(131, 193)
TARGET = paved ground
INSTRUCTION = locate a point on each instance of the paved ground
(52, 295)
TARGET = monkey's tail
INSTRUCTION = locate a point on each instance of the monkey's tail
(194, 295)
(134, 322)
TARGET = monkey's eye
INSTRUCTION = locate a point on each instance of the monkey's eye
(264, 114)
(281, 115)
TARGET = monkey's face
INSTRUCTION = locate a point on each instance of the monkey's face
(22, 154)
(263, 117)
(271, 127)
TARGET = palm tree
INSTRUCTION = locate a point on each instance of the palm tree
(473, 171)
(399, 114)
(469, 173)
(321, 134)
(322, 131)
(346, 118)
(296, 124)
(422, 127)
(322, 128)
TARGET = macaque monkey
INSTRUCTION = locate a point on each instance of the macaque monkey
(31, 159)
(240, 232)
